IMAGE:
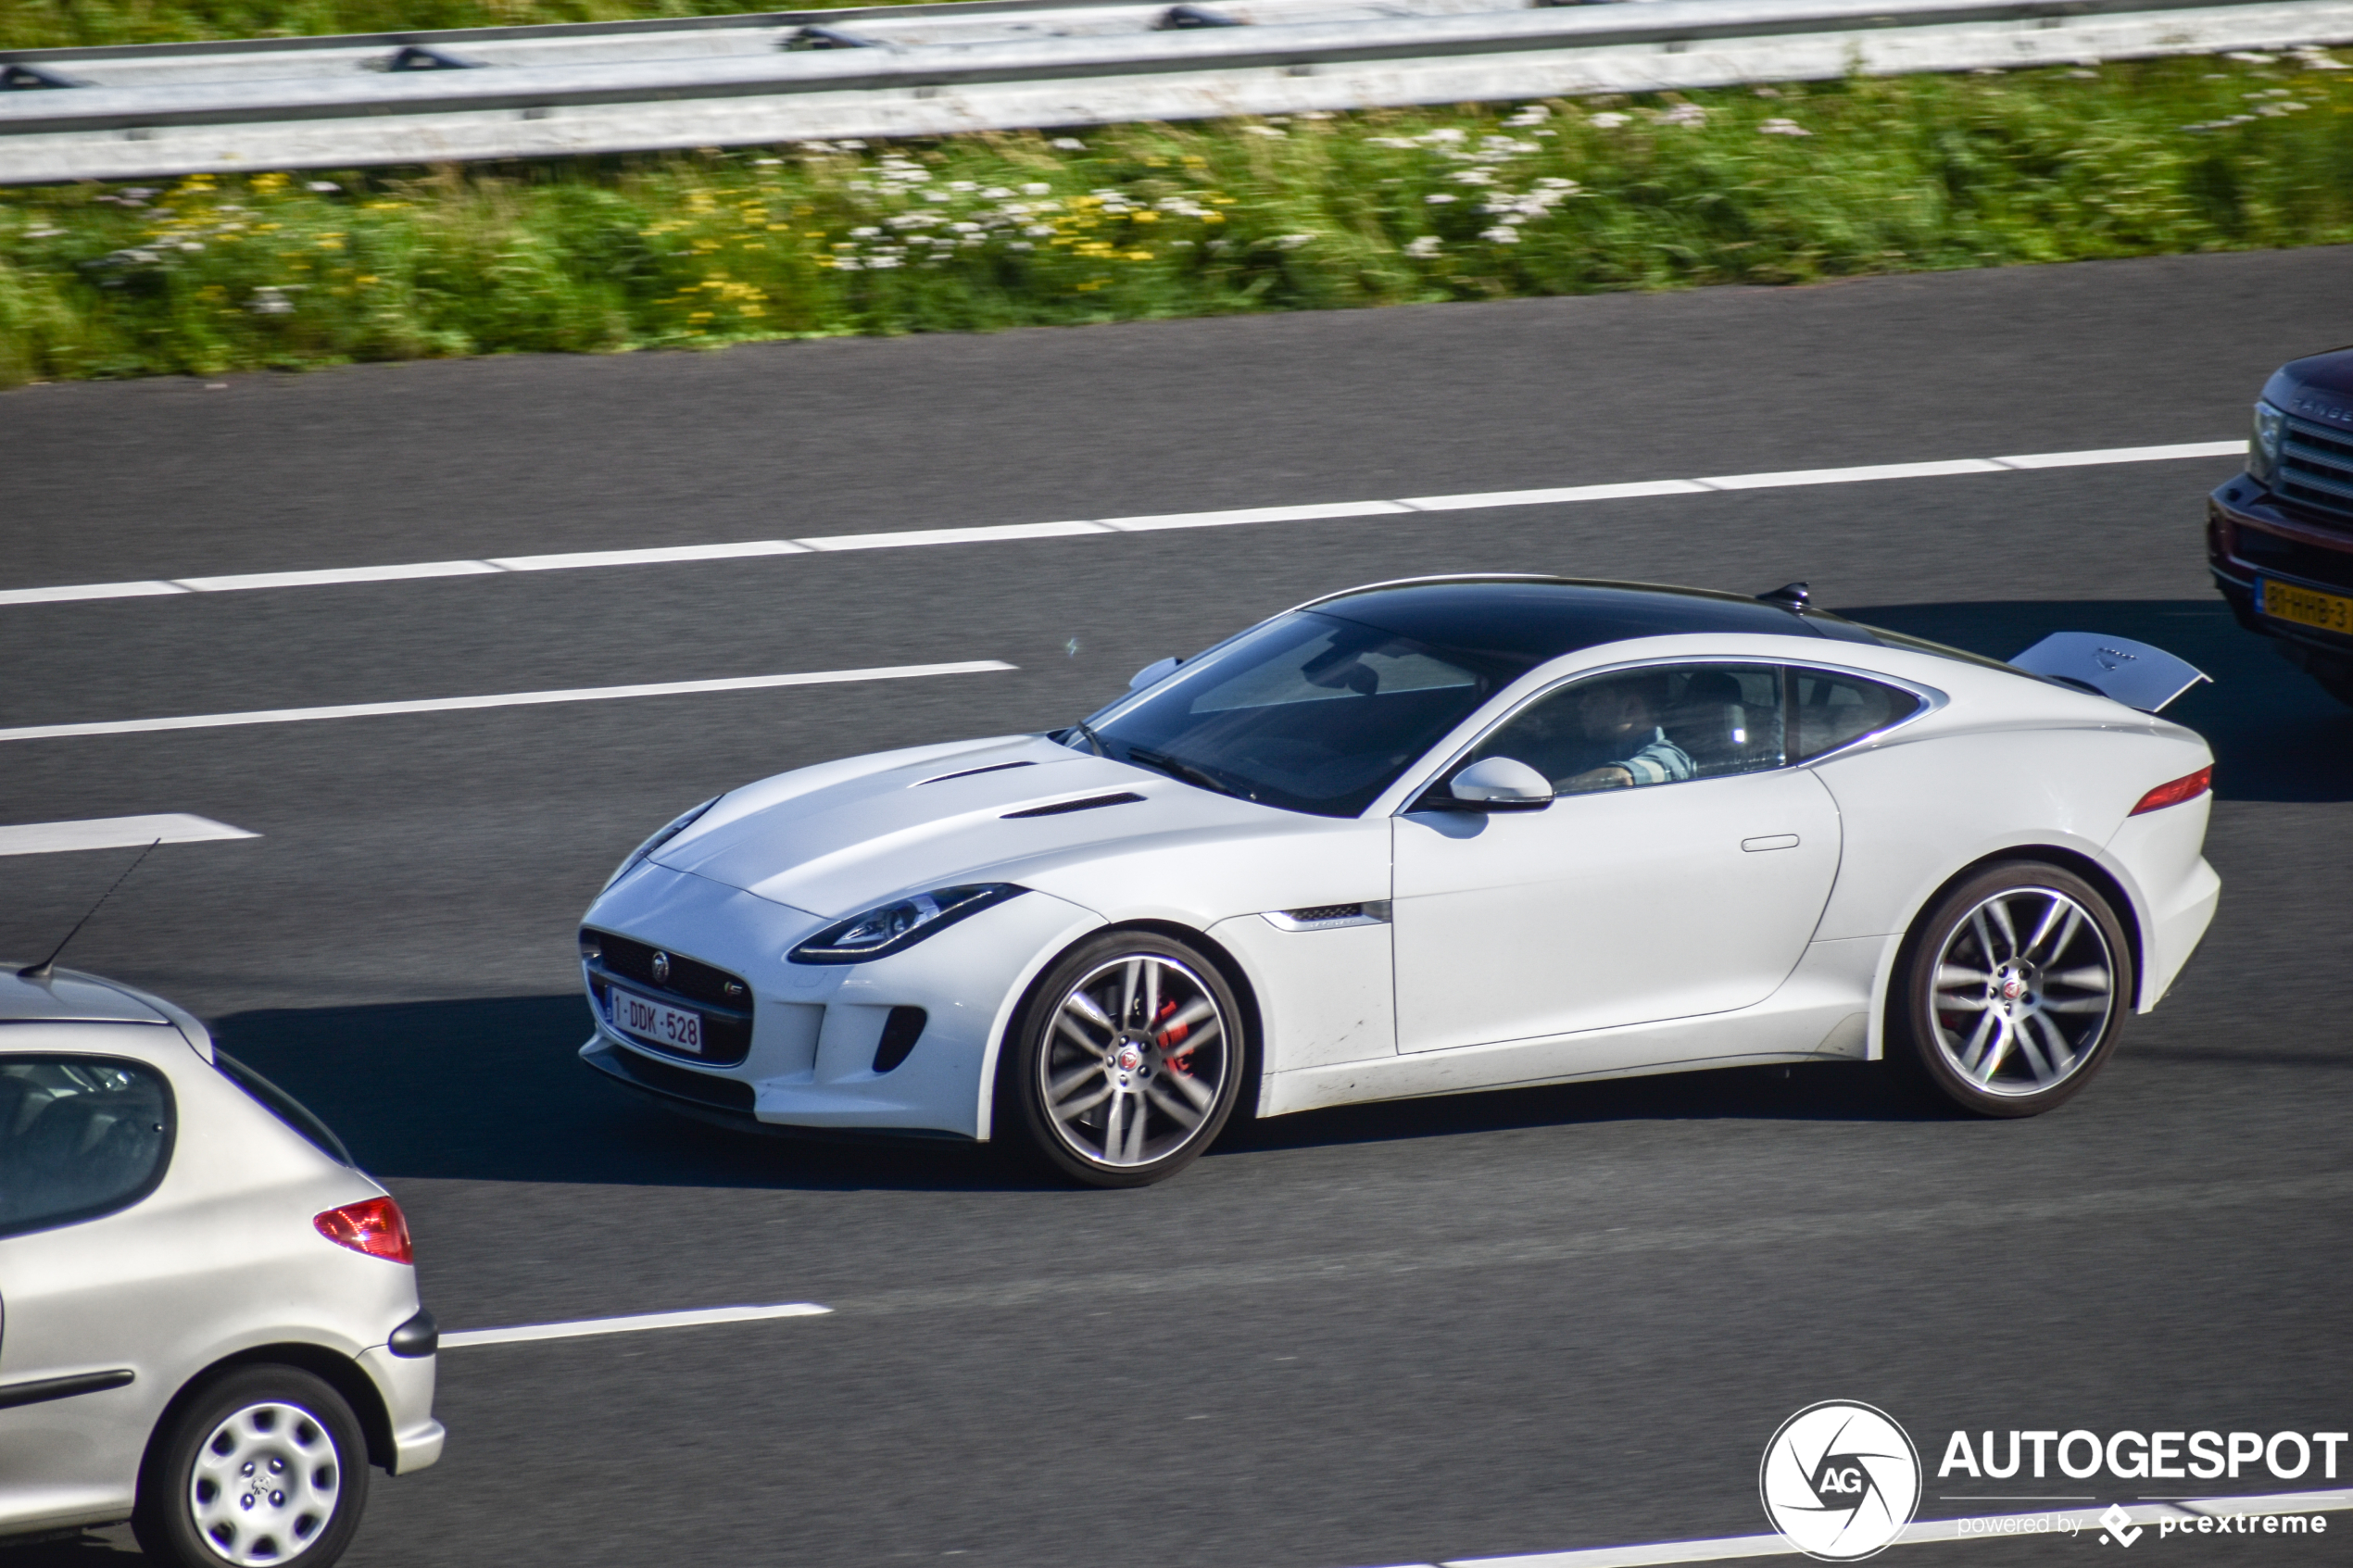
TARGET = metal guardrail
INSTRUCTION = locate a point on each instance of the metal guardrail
(151, 110)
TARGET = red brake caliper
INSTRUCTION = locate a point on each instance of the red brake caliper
(1170, 1039)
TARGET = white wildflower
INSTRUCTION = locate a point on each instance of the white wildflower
(937, 196)
(852, 147)
(1608, 120)
(1439, 137)
(1501, 236)
(1020, 245)
(2248, 56)
(965, 228)
(1777, 126)
(1390, 141)
(1555, 182)
(1533, 113)
(1684, 114)
(1291, 242)
(995, 194)
(864, 233)
(1423, 249)
(1039, 230)
(961, 186)
(1473, 176)
(1264, 130)
(1437, 197)
(767, 162)
(268, 301)
(1068, 144)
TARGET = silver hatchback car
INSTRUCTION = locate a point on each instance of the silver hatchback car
(209, 1316)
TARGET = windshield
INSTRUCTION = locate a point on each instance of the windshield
(1309, 712)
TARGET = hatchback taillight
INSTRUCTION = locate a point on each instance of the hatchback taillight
(373, 1225)
(2187, 788)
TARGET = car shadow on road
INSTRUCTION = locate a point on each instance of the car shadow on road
(489, 1090)
(2276, 736)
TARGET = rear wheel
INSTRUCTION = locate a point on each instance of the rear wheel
(265, 1465)
(1128, 1059)
(2013, 990)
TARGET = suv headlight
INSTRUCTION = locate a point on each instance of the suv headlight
(2263, 444)
(898, 925)
(678, 825)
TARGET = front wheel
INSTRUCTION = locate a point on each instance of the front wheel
(2013, 989)
(1128, 1060)
(265, 1465)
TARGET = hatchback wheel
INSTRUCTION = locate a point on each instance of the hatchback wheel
(265, 1465)
(1128, 1059)
(2013, 989)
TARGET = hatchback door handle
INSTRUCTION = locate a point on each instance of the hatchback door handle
(1770, 841)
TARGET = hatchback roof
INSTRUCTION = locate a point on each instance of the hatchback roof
(69, 996)
(1530, 619)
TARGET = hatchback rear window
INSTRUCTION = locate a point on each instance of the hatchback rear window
(79, 1137)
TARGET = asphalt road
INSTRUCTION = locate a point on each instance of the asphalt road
(1507, 1323)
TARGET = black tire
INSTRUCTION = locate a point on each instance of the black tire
(288, 1436)
(1103, 1092)
(2048, 1012)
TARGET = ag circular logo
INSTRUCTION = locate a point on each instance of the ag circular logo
(1839, 1480)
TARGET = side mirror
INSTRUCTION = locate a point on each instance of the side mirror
(1153, 673)
(1501, 783)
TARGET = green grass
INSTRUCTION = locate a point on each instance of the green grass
(212, 274)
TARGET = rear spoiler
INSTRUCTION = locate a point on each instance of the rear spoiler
(2133, 673)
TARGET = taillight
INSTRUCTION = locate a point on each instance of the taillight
(373, 1225)
(2187, 788)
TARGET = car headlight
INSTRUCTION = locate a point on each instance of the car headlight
(678, 825)
(899, 924)
(2263, 444)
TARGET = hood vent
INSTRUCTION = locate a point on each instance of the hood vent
(1124, 796)
(969, 772)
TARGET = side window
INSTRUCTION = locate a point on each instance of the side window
(1828, 711)
(1650, 726)
(79, 1137)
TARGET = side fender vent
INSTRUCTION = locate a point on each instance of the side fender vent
(900, 1030)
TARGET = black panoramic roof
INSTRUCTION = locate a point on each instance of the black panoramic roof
(1525, 621)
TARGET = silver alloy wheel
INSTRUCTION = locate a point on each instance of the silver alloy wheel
(1134, 1062)
(265, 1485)
(2024, 990)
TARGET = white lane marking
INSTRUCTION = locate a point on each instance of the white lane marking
(1550, 497)
(2124, 455)
(86, 591)
(659, 557)
(1254, 514)
(2000, 1526)
(986, 534)
(249, 580)
(585, 1326)
(501, 699)
(997, 532)
(114, 832)
(1851, 476)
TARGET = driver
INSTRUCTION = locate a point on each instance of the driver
(1619, 719)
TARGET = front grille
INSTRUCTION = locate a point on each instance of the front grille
(2293, 557)
(723, 999)
(2316, 467)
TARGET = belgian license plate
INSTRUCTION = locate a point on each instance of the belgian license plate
(657, 1021)
(2307, 607)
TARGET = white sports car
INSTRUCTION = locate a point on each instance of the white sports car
(1427, 837)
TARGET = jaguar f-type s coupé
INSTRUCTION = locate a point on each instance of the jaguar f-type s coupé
(1428, 837)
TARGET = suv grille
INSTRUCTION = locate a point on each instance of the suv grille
(723, 999)
(2316, 467)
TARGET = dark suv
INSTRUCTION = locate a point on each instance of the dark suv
(2280, 536)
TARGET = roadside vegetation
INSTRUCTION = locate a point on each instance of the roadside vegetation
(1763, 185)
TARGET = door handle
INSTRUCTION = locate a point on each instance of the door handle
(1770, 841)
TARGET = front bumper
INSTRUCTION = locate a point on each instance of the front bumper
(815, 1029)
(2251, 535)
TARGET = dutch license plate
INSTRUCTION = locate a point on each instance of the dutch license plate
(2306, 607)
(656, 1021)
